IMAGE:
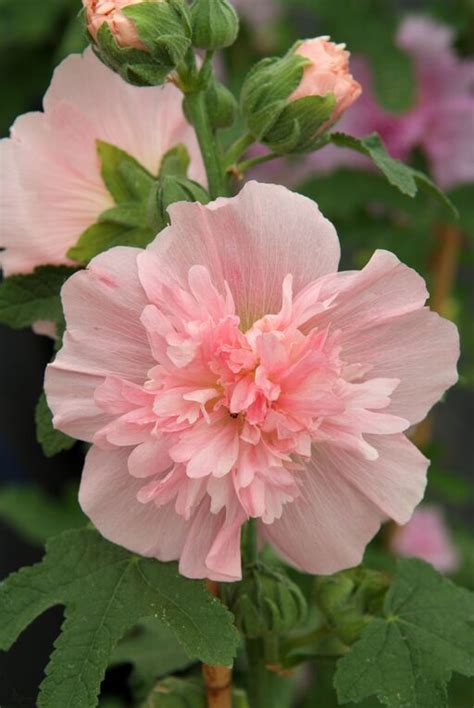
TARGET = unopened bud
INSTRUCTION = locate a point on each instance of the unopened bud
(215, 24)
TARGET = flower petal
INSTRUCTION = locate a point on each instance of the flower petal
(251, 242)
(327, 528)
(108, 496)
(104, 338)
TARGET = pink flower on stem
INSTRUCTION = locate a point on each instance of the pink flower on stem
(440, 121)
(110, 12)
(228, 372)
(327, 73)
(426, 536)
(51, 189)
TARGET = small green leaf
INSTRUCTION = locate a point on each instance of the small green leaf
(37, 516)
(52, 441)
(124, 177)
(25, 299)
(175, 162)
(104, 235)
(407, 657)
(106, 590)
(401, 176)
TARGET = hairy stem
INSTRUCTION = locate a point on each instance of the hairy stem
(198, 115)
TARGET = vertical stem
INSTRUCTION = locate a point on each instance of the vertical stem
(218, 679)
(197, 113)
(258, 678)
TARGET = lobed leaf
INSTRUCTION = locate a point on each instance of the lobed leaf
(106, 590)
(406, 658)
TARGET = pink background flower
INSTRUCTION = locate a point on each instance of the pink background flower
(228, 371)
(51, 189)
(426, 536)
(440, 121)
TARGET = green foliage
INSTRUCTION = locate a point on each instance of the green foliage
(406, 657)
(52, 441)
(37, 516)
(25, 299)
(106, 590)
(401, 176)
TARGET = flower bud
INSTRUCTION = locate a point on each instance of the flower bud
(142, 40)
(350, 599)
(266, 601)
(327, 72)
(221, 105)
(290, 102)
(215, 24)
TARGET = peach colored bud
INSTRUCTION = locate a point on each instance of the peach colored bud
(110, 11)
(328, 73)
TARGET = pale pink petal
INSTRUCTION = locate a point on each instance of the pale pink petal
(104, 338)
(108, 496)
(420, 349)
(251, 241)
(328, 527)
(145, 122)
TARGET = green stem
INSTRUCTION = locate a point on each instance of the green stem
(197, 113)
(254, 161)
(251, 544)
(238, 148)
(261, 682)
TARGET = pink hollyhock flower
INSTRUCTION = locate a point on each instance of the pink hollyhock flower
(228, 372)
(328, 73)
(440, 121)
(426, 536)
(51, 189)
(110, 12)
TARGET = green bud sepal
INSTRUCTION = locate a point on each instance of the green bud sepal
(265, 602)
(215, 24)
(165, 31)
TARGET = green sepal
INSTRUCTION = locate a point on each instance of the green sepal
(401, 176)
(300, 125)
(266, 89)
(123, 176)
(221, 105)
(265, 602)
(349, 600)
(175, 162)
(178, 189)
(215, 24)
(52, 441)
(164, 29)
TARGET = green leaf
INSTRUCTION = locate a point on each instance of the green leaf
(106, 590)
(405, 178)
(25, 299)
(153, 650)
(124, 177)
(52, 441)
(407, 657)
(37, 516)
(104, 235)
(175, 162)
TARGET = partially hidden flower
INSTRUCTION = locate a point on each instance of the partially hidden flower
(51, 189)
(427, 536)
(228, 372)
(440, 121)
(328, 72)
(110, 12)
